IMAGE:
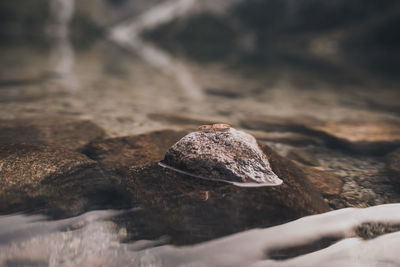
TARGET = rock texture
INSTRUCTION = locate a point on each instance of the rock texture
(303, 157)
(393, 165)
(34, 177)
(120, 153)
(192, 210)
(55, 131)
(367, 137)
(189, 209)
(231, 156)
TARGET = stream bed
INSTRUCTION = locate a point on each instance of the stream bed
(92, 96)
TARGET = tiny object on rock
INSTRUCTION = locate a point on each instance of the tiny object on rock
(224, 154)
(221, 127)
(206, 128)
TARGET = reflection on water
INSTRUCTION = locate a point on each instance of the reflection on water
(128, 35)
(93, 240)
(62, 51)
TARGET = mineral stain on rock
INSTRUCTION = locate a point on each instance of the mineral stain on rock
(221, 153)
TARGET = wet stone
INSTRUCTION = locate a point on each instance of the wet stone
(373, 230)
(364, 137)
(327, 183)
(34, 177)
(191, 210)
(393, 165)
(232, 156)
(303, 157)
(120, 153)
(63, 132)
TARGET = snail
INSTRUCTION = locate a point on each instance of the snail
(221, 153)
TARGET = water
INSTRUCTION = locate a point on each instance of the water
(92, 239)
(279, 74)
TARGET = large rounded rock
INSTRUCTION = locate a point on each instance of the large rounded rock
(34, 177)
(189, 209)
(231, 156)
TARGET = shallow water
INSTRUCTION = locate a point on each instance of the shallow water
(148, 70)
(94, 239)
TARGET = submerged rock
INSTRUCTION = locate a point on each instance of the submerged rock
(57, 131)
(190, 210)
(63, 182)
(118, 154)
(223, 155)
(393, 165)
(362, 137)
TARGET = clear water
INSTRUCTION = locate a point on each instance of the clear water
(129, 79)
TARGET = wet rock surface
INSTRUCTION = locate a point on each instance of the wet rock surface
(393, 165)
(231, 156)
(36, 177)
(122, 170)
(63, 132)
(375, 138)
(373, 230)
(188, 209)
(194, 210)
(303, 157)
(121, 153)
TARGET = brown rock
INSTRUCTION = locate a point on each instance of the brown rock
(37, 176)
(291, 138)
(356, 131)
(192, 210)
(55, 131)
(174, 202)
(393, 165)
(120, 153)
(328, 183)
(303, 157)
(353, 136)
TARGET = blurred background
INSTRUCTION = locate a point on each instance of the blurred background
(134, 65)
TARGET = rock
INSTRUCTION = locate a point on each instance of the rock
(303, 157)
(327, 183)
(34, 177)
(120, 153)
(192, 210)
(231, 156)
(393, 165)
(359, 131)
(290, 138)
(55, 131)
(363, 137)
(372, 230)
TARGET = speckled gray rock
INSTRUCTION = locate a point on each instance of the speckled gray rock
(232, 156)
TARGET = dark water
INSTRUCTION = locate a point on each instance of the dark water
(263, 66)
